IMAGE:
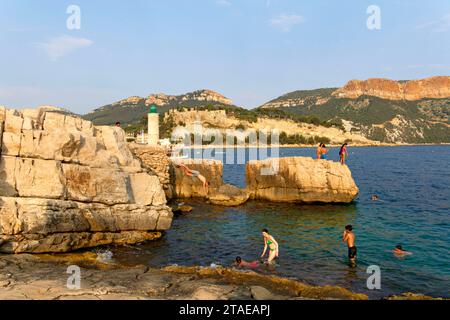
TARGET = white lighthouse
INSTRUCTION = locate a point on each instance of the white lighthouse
(153, 126)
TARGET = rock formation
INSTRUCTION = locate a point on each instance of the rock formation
(65, 185)
(156, 161)
(190, 187)
(300, 179)
(434, 87)
(228, 195)
(161, 99)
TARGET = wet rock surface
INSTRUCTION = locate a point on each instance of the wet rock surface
(45, 277)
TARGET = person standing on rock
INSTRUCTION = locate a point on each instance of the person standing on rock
(323, 152)
(319, 151)
(271, 244)
(349, 238)
(195, 174)
(343, 153)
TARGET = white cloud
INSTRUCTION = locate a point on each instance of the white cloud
(224, 3)
(285, 22)
(62, 46)
(440, 25)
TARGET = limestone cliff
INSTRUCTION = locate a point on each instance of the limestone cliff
(217, 121)
(434, 87)
(66, 184)
(300, 179)
(162, 99)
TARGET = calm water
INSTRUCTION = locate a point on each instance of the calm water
(413, 185)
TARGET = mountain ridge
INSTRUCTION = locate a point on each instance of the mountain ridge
(378, 109)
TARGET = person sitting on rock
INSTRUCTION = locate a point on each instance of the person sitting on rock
(246, 264)
(195, 174)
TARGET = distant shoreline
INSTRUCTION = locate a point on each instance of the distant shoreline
(285, 146)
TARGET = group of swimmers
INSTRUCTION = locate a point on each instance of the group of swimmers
(270, 243)
(322, 152)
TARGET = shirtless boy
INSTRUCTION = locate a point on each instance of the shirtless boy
(349, 238)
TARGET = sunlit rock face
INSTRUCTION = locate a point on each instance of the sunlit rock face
(434, 87)
(300, 179)
(66, 184)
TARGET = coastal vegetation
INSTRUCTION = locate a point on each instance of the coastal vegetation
(376, 113)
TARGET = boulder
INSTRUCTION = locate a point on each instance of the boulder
(66, 185)
(228, 195)
(189, 187)
(261, 293)
(300, 179)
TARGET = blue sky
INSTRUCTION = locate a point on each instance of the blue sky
(250, 50)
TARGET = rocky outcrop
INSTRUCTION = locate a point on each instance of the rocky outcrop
(300, 179)
(161, 99)
(190, 187)
(65, 185)
(184, 186)
(44, 277)
(228, 195)
(434, 87)
(156, 161)
(295, 179)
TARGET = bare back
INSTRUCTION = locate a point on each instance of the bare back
(350, 239)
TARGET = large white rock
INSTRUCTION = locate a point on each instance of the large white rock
(39, 178)
(95, 184)
(65, 185)
(300, 179)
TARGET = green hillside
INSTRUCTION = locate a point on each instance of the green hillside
(421, 121)
(392, 121)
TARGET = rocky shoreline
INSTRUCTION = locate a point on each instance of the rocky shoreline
(45, 277)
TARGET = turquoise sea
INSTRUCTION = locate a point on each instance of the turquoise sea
(414, 211)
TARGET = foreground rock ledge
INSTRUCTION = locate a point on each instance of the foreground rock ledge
(66, 184)
(45, 278)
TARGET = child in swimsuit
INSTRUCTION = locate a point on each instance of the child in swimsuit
(246, 264)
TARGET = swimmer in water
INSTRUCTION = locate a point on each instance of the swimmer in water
(271, 244)
(399, 250)
(246, 264)
(375, 197)
(349, 238)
